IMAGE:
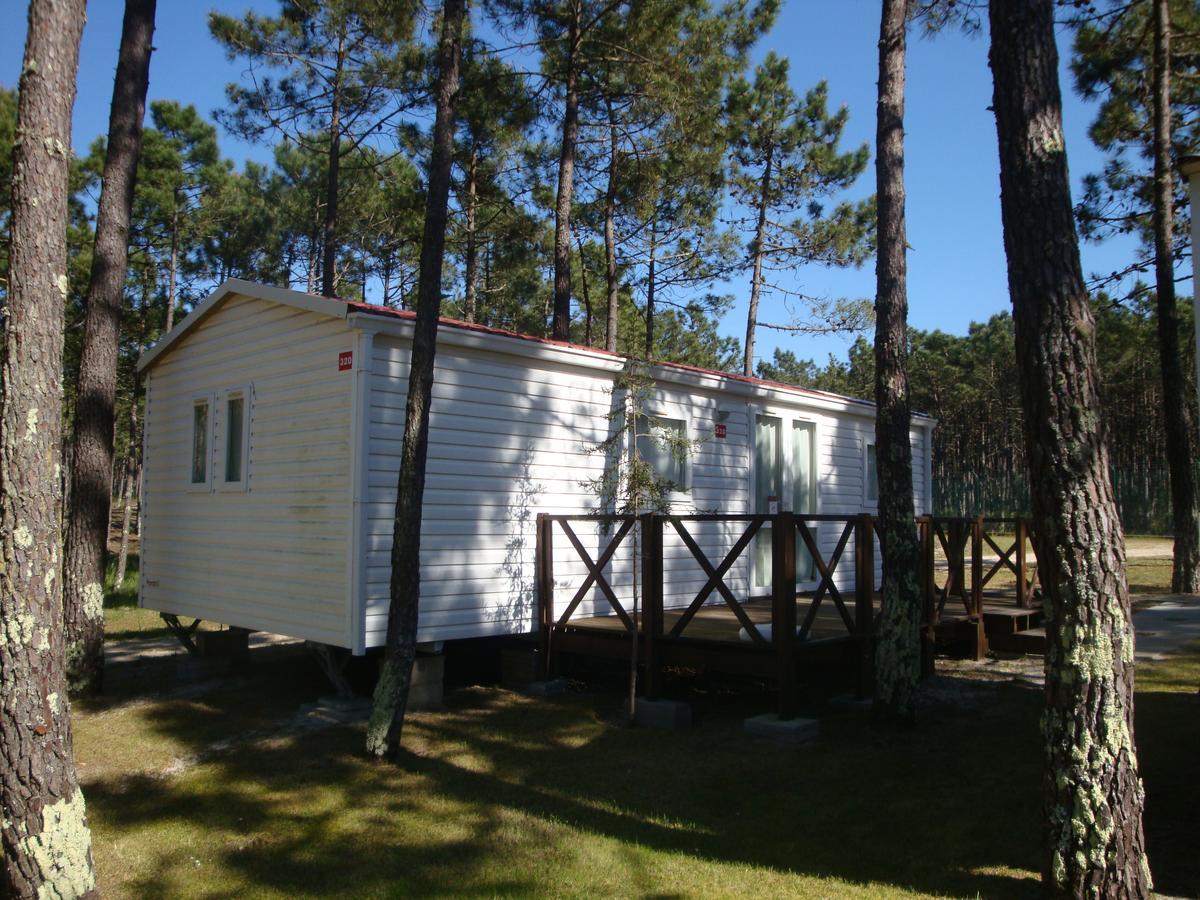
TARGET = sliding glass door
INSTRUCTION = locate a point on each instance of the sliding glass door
(785, 477)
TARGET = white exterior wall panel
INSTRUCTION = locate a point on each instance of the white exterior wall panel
(514, 427)
(272, 557)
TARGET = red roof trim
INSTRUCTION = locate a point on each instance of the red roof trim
(388, 312)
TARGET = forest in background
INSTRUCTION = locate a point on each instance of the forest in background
(665, 206)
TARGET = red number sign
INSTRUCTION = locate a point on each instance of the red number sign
(346, 361)
(719, 431)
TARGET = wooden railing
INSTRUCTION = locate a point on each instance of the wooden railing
(961, 540)
(787, 633)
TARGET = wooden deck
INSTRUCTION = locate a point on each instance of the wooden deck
(831, 625)
(718, 623)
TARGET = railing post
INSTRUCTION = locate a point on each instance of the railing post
(652, 605)
(544, 579)
(928, 606)
(977, 587)
(1023, 599)
(864, 602)
(956, 563)
(783, 609)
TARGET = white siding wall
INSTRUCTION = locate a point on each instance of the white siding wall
(510, 438)
(274, 557)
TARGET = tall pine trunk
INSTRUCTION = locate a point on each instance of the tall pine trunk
(651, 285)
(898, 650)
(611, 283)
(391, 693)
(1177, 412)
(131, 478)
(760, 235)
(329, 242)
(91, 475)
(587, 297)
(172, 271)
(561, 329)
(471, 275)
(44, 837)
(1091, 791)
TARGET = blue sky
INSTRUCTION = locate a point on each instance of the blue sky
(956, 266)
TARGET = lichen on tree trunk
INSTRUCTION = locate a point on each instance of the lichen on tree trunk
(46, 846)
(1092, 795)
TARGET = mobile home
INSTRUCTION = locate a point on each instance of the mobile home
(273, 430)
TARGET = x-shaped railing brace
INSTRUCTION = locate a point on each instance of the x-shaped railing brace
(596, 573)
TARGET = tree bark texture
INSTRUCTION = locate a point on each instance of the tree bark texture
(1092, 794)
(760, 234)
(1177, 412)
(471, 275)
(329, 242)
(587, 297)
(561, 329)
(391, 693)
(45, 839)
(91, 477)
(172, 272)
(132, 470)
(898, 647)
(650, 286)
(611, 282)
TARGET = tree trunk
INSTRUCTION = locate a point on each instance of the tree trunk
(44, 837)
(131, 477)
(650, 286)
(1177, 412)
(91, 476)
(471, 275)
(561, 329)
(387, 278)
(898, 646)
(587, 298)
(610, 240)
(172, 272)
(1092, 794)
(760, 234)
(391, 693)
(329, 245)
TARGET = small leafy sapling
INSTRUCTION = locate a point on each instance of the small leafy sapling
(631, 483)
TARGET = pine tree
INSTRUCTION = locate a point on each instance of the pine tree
(341, 64)
(92, 462)
(897, 650)
(1093, 797)
(1125, 57)
(391, 693)
(43, 825)
(785, 156)
(495, 111)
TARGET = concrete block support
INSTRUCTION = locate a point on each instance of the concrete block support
(428, 686)
(786, 731)
(669, 714)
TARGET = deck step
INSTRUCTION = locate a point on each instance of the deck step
(1031, 640)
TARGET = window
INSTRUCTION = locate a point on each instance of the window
(664, 449)
(768, 483)
(235, 445)
(235, 409)
(804, 493)
(200, 432)
(871, 488)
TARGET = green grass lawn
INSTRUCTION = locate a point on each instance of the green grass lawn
(219, 794)
(215, 795)
(123, 618)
